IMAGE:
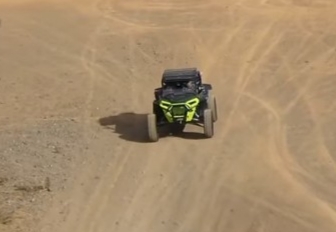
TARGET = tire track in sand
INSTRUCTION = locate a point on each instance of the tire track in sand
(89, 62)
(107, 186)
(283, 163)
(100, 197)
(102, 210)
(111, 11)
(246, 72)
(281, 155)
(90, 223)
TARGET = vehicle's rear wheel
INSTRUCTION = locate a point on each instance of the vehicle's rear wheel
(208, 123)
(211, 102)
(152, 128)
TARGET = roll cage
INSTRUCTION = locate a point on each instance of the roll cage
(179, 78)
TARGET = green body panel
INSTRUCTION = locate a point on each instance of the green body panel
(179, 109)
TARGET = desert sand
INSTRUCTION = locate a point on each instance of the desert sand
(76, 83)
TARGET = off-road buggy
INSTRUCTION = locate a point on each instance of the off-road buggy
(181, 99)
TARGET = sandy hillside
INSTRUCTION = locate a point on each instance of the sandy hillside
(76, 83)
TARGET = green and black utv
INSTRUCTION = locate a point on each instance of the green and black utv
(181, 99)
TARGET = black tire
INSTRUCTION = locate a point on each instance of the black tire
(152, 128)
(212, 105)
(208, 124)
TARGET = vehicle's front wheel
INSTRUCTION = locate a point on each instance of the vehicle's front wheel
(208, 123)
(152, 128)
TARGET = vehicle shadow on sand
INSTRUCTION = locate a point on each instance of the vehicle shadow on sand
(132, 127)
(129, 126)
